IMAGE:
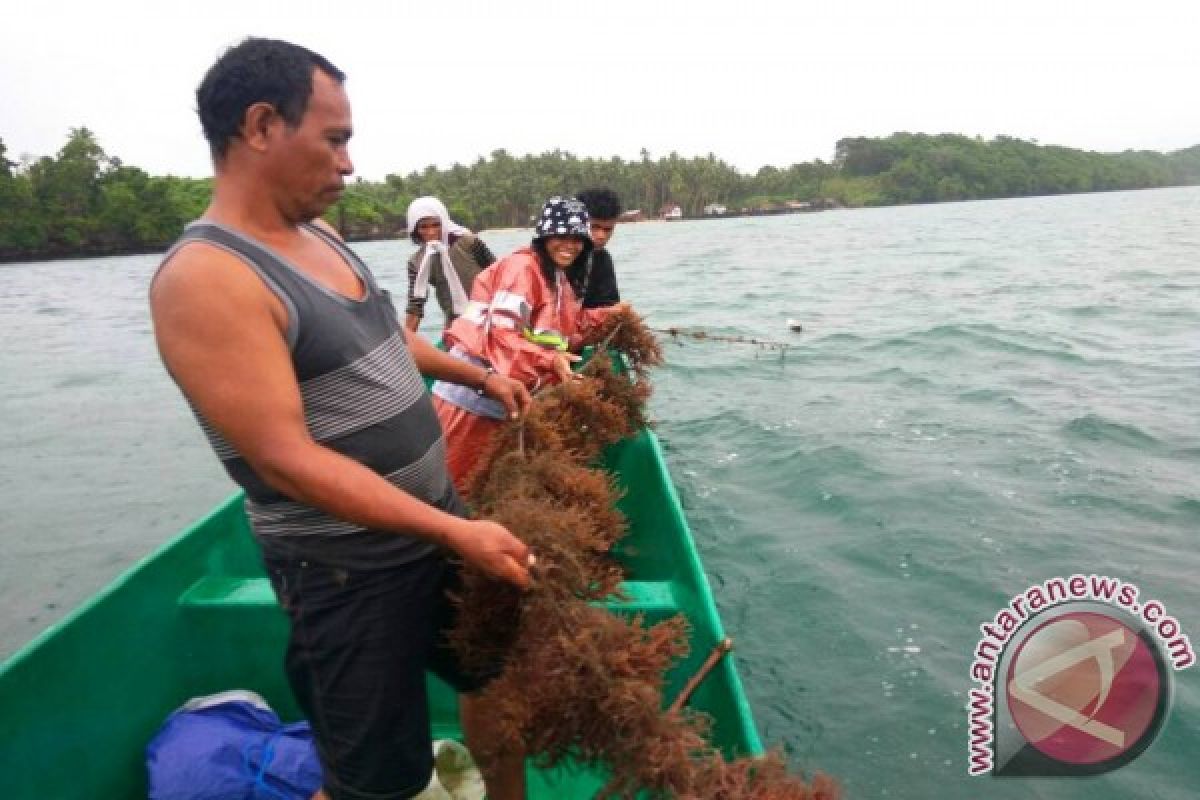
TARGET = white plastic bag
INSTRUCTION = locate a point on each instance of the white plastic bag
(455, 776)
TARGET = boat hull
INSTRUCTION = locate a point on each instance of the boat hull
(80, 702)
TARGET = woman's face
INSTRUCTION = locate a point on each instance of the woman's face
(429, 229)
(563, 250)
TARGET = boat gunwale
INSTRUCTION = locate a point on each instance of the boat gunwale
(705, 594)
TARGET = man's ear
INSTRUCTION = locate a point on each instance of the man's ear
(257, 123)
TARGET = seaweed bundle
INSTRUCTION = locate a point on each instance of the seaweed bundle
(581, 684)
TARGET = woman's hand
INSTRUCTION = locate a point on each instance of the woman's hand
(562, 367)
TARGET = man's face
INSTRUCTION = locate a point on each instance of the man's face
(602, 231)
(429, 229)
(312, 160)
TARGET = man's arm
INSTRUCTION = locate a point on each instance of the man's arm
(444, 367)
(220, 334)
(481, 254)
(415, 308)
(602, 290)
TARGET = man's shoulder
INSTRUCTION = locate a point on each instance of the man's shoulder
(472, 247)
(319, 222)
(602, 258)
(202, 242)
(462, 245)
(197, 266)
(600, 268)
(205, 293)
(195, 254)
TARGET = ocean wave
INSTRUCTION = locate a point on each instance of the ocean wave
(841, 338)
(724, 422)
(998, 396)
(892, 376)
(1095, 428)
(1111, 504)
(971, 336)
(1089, 311)
(1137, 275)
(87, 379)
(825, 461)
(1188, 507)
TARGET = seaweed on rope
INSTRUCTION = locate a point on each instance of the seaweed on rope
(581, 684)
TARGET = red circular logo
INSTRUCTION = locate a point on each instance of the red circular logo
(1085, 688)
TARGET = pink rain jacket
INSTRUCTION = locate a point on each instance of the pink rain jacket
(510, 297)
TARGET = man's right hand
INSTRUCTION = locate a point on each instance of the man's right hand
(510, 393)
(492, 549)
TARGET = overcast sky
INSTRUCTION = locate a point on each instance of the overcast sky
(755, 83)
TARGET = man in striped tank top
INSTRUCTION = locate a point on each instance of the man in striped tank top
(309, 389)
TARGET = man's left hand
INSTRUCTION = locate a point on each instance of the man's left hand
(510, 393)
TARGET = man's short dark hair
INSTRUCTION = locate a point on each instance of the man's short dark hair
(601, 203)
(257, 71)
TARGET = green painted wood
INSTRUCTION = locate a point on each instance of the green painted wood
(80, 702)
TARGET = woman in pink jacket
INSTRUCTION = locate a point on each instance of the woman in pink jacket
(522, 321)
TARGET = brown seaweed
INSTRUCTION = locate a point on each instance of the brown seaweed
(580, 684)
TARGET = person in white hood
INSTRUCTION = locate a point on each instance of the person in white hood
(448, 259)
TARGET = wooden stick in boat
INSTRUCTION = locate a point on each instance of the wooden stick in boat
(718, 652)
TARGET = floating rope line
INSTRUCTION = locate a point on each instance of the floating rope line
(705, 336)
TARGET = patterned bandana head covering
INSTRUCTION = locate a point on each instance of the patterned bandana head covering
(564, 216)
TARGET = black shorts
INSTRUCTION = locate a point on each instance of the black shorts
(361, 641)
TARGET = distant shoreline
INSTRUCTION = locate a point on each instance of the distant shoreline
(401, 235)
(398, 236)
(80, 204)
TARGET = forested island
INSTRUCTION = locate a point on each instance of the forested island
(84, 202)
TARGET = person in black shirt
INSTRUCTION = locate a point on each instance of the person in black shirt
(592, 276)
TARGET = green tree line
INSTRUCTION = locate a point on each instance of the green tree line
(84, 202)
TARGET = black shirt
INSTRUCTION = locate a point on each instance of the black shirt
(594, 279)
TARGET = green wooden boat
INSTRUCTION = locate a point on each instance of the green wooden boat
(80, 702)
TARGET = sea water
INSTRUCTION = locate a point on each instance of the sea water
(984, 396)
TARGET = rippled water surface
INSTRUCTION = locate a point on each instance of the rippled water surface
(985, 395)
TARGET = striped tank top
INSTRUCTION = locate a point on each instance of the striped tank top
(363, 397)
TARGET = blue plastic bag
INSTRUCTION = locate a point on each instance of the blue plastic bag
(231, 746)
